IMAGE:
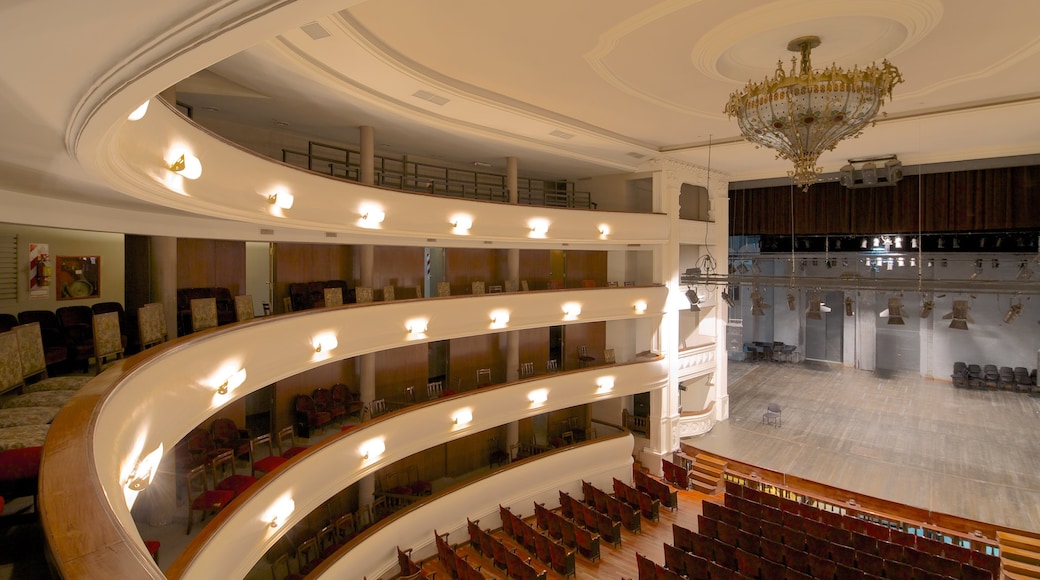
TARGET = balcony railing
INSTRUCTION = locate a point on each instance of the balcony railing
(416, 177)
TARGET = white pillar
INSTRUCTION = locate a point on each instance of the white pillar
(512, 180)
(368, 155)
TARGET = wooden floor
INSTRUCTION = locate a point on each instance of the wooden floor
(893, 435)
(614, 563)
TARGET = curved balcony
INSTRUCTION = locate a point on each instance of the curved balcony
(151, 401)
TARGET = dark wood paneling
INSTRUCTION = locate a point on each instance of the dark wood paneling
(591, 334)
(400, 267)
(463, 266)
(535, 268)
(476, 352)
(534, 347)
(963, 201)
(211, 263)
(585, 265)
(309, 263)
(399, 368)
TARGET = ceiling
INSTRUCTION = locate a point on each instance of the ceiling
(572, 89)
(589, 87)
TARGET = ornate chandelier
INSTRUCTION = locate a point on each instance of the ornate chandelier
(802, 116)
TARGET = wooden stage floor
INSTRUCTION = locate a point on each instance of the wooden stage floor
(893, 435)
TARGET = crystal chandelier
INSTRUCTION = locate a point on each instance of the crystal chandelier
(802, 116)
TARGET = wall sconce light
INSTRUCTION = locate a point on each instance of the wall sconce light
(417, 326)
(571, 311)
(639, 307)
(186, 165)
(281, 199)
(371, 217)
(539, 228)
(462, 224)
(372, 449)
(462, 417)
(538, 397)
(605, 384)
(499, 318)
(325, 342)
(232, 382)
(604, 231)
(280, 512)
(139, 112)
(144, 472)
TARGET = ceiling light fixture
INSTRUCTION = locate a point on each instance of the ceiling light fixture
(803, 115)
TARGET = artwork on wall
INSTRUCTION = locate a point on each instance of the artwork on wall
(41, 271)
(79, 277)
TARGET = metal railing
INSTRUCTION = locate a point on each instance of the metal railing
(416, 177)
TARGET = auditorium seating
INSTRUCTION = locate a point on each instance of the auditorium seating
(757, 537)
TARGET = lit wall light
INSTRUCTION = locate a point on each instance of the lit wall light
(184, 164)
(499, 318)
(461, 224)
(372, 216)
(144, 472)
(281, 199)
(325, 342)
(604, 231)
(280, 512)
(139, 112)
(538, 397)
(417, 326)
(372, 448)
(639, 307)
(539, 228)
(232, 382)
(571, 311)
(604, 385)
(462, 417)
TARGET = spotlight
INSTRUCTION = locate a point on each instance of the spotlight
(728, 298)
(1013, 312)
(848, 306)
(758, 303)
(913, 243)
(816, 307)
(894, 313)
(926, 308)
(978, 269)
(899, 242)
(791, 301)
(1024, 271)
(691, 295)
(959, 318)
(941, 243)
(877, 242)
(863, 244)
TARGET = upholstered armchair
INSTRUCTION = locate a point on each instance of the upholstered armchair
(77, 326)
(227, 434)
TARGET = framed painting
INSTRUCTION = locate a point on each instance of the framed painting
(79, 277)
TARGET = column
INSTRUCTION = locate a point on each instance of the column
(512, 180)
(368, 155)
(160, 498)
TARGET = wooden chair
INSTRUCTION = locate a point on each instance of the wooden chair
(551, 366)
(287, 443)
(201, 498)
(483, 377)
(10, 363)
(388, 294)
(526, 369)
(443, 289)
(269, 462)
(523, 286)
(478, 287)
(108, 338)
(584, 358)
(608, 356)
(151, 324)
(434, 390)
(225, 478)
(226, 434)
(510, 285)
(376, 408)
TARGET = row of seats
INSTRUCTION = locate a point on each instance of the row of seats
(314, 549)
(568, 531)
(410, 570)
(325, 406)
(588, 517)
(536, 545)
(67, 333)
(973, 376)
(617, 510)
(795, 540)
(865, 536)
(648, 505)
(655, 488)
(460, 568)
